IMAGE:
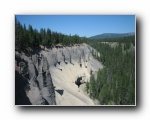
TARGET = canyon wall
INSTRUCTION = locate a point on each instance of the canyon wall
(54, 76)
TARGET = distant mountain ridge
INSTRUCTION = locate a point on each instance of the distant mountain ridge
(112, 35)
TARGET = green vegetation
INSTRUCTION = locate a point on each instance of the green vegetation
(112, 35)
(115, 84)
(29, 37)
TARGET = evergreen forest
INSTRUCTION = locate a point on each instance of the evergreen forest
(29, 37)
(115, 83)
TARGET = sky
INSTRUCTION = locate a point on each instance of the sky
(82, 25)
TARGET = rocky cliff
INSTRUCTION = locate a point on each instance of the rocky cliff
(50, 76)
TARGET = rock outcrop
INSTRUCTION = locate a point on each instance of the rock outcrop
(66, 68)
(35, 71)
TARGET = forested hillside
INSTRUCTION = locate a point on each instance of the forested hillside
(29, 37)
(115, 83)
(112, 35)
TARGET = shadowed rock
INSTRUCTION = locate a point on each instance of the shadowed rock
(21, 85)
(37, 88)
(60, 91)
(78, 81)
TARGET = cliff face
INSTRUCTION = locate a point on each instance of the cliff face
(39, 89)
(54, 76)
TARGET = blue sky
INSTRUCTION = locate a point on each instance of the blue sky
(82, 25)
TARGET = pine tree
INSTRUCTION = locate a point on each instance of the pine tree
(48, 37)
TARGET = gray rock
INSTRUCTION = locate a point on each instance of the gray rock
(33, 81)
(41, 90)
(51, 57)
(38, 70)
(50, 88)
(66, 54)
(45, 65)
(35, 60)
(59, 55)
(40, 80)
(23, 68)
(31, 70)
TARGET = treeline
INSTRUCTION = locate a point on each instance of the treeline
(29, 37)
(115, 83)
(125, 39)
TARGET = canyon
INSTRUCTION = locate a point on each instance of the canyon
(55, 75)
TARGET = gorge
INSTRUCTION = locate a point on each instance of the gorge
(54, 75)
